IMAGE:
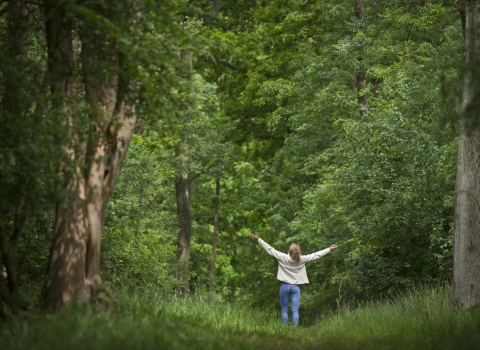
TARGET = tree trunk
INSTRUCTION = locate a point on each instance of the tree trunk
(466, 236)
(185, 230)
(215, 236)
(3, 315)
(9, 243)
(184, 199)
(66, 276)
(111, 106)
(12, 297)
(361, 79)
(208, 17)
(74, 268)
(361, 84)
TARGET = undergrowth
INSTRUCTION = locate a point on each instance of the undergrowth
(420, 319)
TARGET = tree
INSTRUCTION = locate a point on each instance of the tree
(24, 163)
(215, 237)
(184, 185)
(89, 175)
(383, 182)
(138, 245)
(466, 237)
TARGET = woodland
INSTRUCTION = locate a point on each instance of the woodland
(143, 141)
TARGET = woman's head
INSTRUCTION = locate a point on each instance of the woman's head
(295, 252)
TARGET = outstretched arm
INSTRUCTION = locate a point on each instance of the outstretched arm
(270, 250)
(319, 254)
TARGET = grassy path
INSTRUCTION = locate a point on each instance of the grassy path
(422, 319)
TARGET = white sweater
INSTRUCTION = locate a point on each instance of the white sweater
(290, 271)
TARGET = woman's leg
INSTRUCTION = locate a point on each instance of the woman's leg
(295, 304)
(284, 296)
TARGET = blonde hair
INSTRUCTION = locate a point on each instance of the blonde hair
(295, 252)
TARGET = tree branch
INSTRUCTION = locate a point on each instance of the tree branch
(228, 65)
(202, 172)
(22, 35)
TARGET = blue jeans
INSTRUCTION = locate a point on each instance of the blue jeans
(285, 291)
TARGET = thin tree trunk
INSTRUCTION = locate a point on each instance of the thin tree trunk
(361, 77)
(466, 235)
(215, 236)
(10, 269)
(208, 17)
(185, 230)
(21, 220)
(3, 315)
(4, 297)
(8, 244)
(191, 186)
(184, 199)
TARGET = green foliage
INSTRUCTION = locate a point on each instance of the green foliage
(32, 139)
(376, 180)
(29, 144)
(271, 106)
(137, 248)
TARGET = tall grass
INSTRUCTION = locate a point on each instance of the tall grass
(420, 319)
(216, 315)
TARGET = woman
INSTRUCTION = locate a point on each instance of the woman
(292, 273)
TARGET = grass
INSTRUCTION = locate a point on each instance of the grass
(421, 319)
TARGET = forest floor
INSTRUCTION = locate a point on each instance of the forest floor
(421, 319)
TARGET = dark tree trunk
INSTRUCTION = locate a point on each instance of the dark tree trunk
(185, 230)
(361, 85)
(183, 185)
(17, 13)
(361, 76)
(466, 235)
(12, 297)
(215, 236)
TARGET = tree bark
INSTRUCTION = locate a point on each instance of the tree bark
(215, 236)
(106, 150)
(466, 235)
(185, 230)
(183, 185)
(74, 268)
(65, 280)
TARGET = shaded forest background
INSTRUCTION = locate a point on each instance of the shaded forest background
(318, 122)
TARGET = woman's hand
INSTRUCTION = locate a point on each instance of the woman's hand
(254, 237)
(333, 247)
